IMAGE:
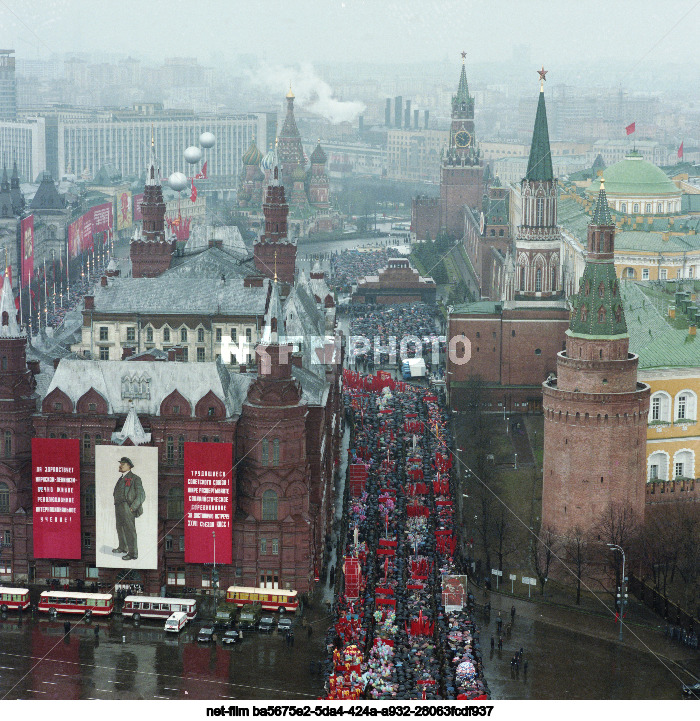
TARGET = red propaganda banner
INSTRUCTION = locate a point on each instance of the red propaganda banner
(27, 234)
(629, 129)
(136, 201)
(208, 502)
(101, 217)
(56, 493)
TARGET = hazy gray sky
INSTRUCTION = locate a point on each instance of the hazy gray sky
(291, 31)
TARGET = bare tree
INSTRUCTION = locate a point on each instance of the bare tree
(658, 546)
(544, 551)
(619, 525)
(577, 555)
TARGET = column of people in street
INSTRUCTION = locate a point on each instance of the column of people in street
(392, 637)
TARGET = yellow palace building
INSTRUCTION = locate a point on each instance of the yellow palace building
(663, 335)
(654, 239)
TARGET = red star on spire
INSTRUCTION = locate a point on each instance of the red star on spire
(464, 55)
(542, 73)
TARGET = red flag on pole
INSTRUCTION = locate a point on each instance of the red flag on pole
(680, 150)
(203, 172)
(630, 128)
(193, 196)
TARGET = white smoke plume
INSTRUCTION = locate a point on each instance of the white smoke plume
(311, 92)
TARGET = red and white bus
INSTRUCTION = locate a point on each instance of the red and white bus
(144, 607)
(99, 604)
(270, 599)
(13, 599)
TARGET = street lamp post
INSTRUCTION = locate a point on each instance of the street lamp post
(622, 589)
(516, 461)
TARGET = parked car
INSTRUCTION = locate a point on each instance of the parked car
(249, 617)
(266, 624)
(231, 637)
(206, 634)
(691, 691)
(284, 625)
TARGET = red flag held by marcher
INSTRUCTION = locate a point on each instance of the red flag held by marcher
(630, 128)
(193, 196)
(680, 150)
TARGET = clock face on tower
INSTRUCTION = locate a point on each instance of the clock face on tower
(463, 139)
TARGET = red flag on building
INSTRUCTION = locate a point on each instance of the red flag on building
(203, 172)
(193, 196)
(630, 128)
(680, 150)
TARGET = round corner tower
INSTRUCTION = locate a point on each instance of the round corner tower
(595, 410)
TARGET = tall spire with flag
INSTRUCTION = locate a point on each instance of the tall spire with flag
(536, 263)
(539, 165)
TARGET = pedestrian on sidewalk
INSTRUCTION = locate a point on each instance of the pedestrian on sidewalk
(500, 643)
(493, 643)
(512, 613)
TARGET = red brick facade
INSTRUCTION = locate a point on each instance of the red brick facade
(513, 350)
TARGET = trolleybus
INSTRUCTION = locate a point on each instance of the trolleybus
(13, 599)
(99, 604)
(271, 599)
(145, 607)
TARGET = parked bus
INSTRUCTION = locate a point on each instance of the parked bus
(145, 607)
(13, 599)
(271, 599)
(99, 604)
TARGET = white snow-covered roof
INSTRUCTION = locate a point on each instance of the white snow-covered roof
(131, 430)
(143, 385)
(211, 263)
(229, 235)
(180, 295)
(7, 305)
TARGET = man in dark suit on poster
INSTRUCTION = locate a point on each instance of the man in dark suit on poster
(128, 506)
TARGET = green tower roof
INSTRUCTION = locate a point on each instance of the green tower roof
(463, 89)
(539, 166)
(601, 214)
(598, 309)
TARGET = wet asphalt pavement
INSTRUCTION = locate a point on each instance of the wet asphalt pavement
(37, 661)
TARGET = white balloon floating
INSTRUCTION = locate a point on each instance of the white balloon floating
(178, 181)
(207, 140)
(193, 154)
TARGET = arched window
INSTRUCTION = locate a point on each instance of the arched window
(4, 498)
(170, 449)
(181, 448)
(554, 277)
(265, 452)
(166, 334)
(500, 233)
(657, 466)
(660, 406)
(647, 208)
(200, 335)
(629, 272)
(176, 502)
(601, 314)
(584, 313)
(149, 334)
(659, 208)
(183, 335)
(601, 290)
(635, 208)
(686, 402)
(276, 452)
(623, 207)
(538, 280)
(89, 501)
(522, 277)
(8, 444)
(684, 464)
(269, 506)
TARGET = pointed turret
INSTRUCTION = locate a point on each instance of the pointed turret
(539, 166)
(9, 327)
(274, 318)
(463, 88)
(132, 431)
(598, 308)
(289, 149)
